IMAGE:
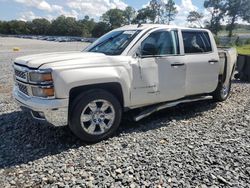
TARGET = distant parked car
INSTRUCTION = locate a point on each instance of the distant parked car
(44, 38)
(51, 39)
(91, 40)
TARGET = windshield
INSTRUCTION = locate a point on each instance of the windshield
(113, 43)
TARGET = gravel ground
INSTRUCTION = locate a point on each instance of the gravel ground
(203, 144)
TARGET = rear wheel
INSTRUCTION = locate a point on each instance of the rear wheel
(222, 91)
(95, 115)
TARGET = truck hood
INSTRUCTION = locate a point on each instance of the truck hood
(60, 58)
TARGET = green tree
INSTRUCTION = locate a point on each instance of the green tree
(65, 26)
(114, 17)
(129, 14)
(40, 26)
(18, 27)
(100, 29)
(216, 9)
(169, 12)
(87, 25)
(195, 17)
(236, 9)
(4, 27)
(156, 10)
(144, 16)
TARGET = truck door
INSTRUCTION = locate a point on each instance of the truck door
(162, 71)
(202, 62)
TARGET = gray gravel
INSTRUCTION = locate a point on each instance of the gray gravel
(202, 144)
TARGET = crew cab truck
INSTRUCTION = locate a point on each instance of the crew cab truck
(150, 67)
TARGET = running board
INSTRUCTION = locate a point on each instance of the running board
(159, 107)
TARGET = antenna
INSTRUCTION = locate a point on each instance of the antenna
(139, 25)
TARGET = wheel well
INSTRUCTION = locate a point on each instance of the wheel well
(233, 71)
(113, 87)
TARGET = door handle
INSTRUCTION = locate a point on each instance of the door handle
(177, 65)
(213, 61)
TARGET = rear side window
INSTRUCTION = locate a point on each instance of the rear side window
(196, 42)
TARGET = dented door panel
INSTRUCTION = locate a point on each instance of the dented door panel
(145, 87)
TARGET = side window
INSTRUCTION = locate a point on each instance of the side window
(161, 43)
(196, 42)
(207, 42)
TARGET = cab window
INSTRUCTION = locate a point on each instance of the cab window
(196, 42)
(161, 43)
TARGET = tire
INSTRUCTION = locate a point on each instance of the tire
(222, 91)
(95, 115)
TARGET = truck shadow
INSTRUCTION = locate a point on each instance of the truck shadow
(240, 82)
(24, 140)
(163, 117)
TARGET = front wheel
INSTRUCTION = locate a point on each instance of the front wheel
(95, 115)
(222, 91)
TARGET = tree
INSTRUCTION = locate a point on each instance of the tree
(217, 11)
(114, 17)
(129, 14)
(196, 18)
(4, 27)
(157, 12)
(65, 26)
(236, 9)
(144, 16)
(86, 25)
(39, 26)
(169, 12)
(155, 6)
(18, 27)
(100, 29)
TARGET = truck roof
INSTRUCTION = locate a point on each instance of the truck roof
(150, 26)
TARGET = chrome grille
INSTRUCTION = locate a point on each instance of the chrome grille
(20, 74)
(23, 88)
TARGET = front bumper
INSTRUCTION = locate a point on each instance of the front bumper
(55, 111)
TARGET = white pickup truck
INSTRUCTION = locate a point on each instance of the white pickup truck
(149, 67)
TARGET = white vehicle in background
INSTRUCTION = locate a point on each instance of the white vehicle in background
(149, 66)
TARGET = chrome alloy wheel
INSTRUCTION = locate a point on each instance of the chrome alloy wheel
(97, 117)
(225, 90)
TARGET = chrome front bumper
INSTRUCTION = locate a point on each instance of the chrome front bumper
(55, 111)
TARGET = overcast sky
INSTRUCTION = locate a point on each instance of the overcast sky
(30, 9)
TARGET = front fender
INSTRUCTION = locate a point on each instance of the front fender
(65, 80)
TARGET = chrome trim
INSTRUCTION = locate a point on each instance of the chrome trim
(21, 69)
(95, 118)
(40, 71)
(28, 83)
(30, 93)
(27, 71)
(34, 117)
(28, 88)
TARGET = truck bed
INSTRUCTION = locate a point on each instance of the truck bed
(228, 58)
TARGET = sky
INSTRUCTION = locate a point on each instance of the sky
(50, 9)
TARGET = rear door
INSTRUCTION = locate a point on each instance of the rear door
(202, 62)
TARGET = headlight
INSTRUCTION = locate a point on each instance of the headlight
(43, 92)
(40, 76)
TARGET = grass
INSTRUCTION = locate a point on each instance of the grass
(235, 32)
(244, 50)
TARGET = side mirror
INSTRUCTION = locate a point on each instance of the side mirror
(138, 52)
